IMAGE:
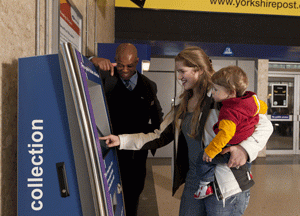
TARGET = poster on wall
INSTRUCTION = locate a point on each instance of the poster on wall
(88, 90)
(70, 24)
(279, 95)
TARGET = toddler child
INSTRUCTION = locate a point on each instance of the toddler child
(237, 119)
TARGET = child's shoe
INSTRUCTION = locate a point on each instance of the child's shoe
(205, 190)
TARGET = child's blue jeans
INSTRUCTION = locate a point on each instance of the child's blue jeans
(205, 170)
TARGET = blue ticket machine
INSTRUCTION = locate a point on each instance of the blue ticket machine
(63, 169)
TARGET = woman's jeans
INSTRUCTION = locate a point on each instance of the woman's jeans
(210, 206)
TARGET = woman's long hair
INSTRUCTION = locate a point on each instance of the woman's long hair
(196, 58)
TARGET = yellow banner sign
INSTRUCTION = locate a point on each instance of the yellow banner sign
(269, 7)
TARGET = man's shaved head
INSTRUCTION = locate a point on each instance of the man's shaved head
(126, 49)
(127, 60)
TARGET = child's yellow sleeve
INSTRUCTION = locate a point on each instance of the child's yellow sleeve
(227, 130)
(263, 107)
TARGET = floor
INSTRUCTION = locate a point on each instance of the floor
(276, 192)
(276, 142)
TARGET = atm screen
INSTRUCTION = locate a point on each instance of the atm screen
(100, 113)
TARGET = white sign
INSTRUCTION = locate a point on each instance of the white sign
(70, 25)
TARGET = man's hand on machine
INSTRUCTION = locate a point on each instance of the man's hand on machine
(111, 140)
(104, 64)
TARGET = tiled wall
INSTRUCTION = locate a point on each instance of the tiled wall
(18, 39)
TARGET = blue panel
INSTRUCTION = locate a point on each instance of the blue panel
(273, 53)
(113, 178)
(108, 50)
(41, 146)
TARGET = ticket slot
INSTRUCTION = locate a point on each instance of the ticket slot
(62, 178)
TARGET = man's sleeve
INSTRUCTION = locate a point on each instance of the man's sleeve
(156, 113)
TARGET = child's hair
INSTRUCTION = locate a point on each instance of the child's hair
(196, 58)
(233, 78)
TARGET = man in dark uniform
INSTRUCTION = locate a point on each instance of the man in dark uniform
(132, 103)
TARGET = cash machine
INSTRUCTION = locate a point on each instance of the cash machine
(63, 168)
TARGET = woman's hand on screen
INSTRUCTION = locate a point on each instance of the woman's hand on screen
(111, 140)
